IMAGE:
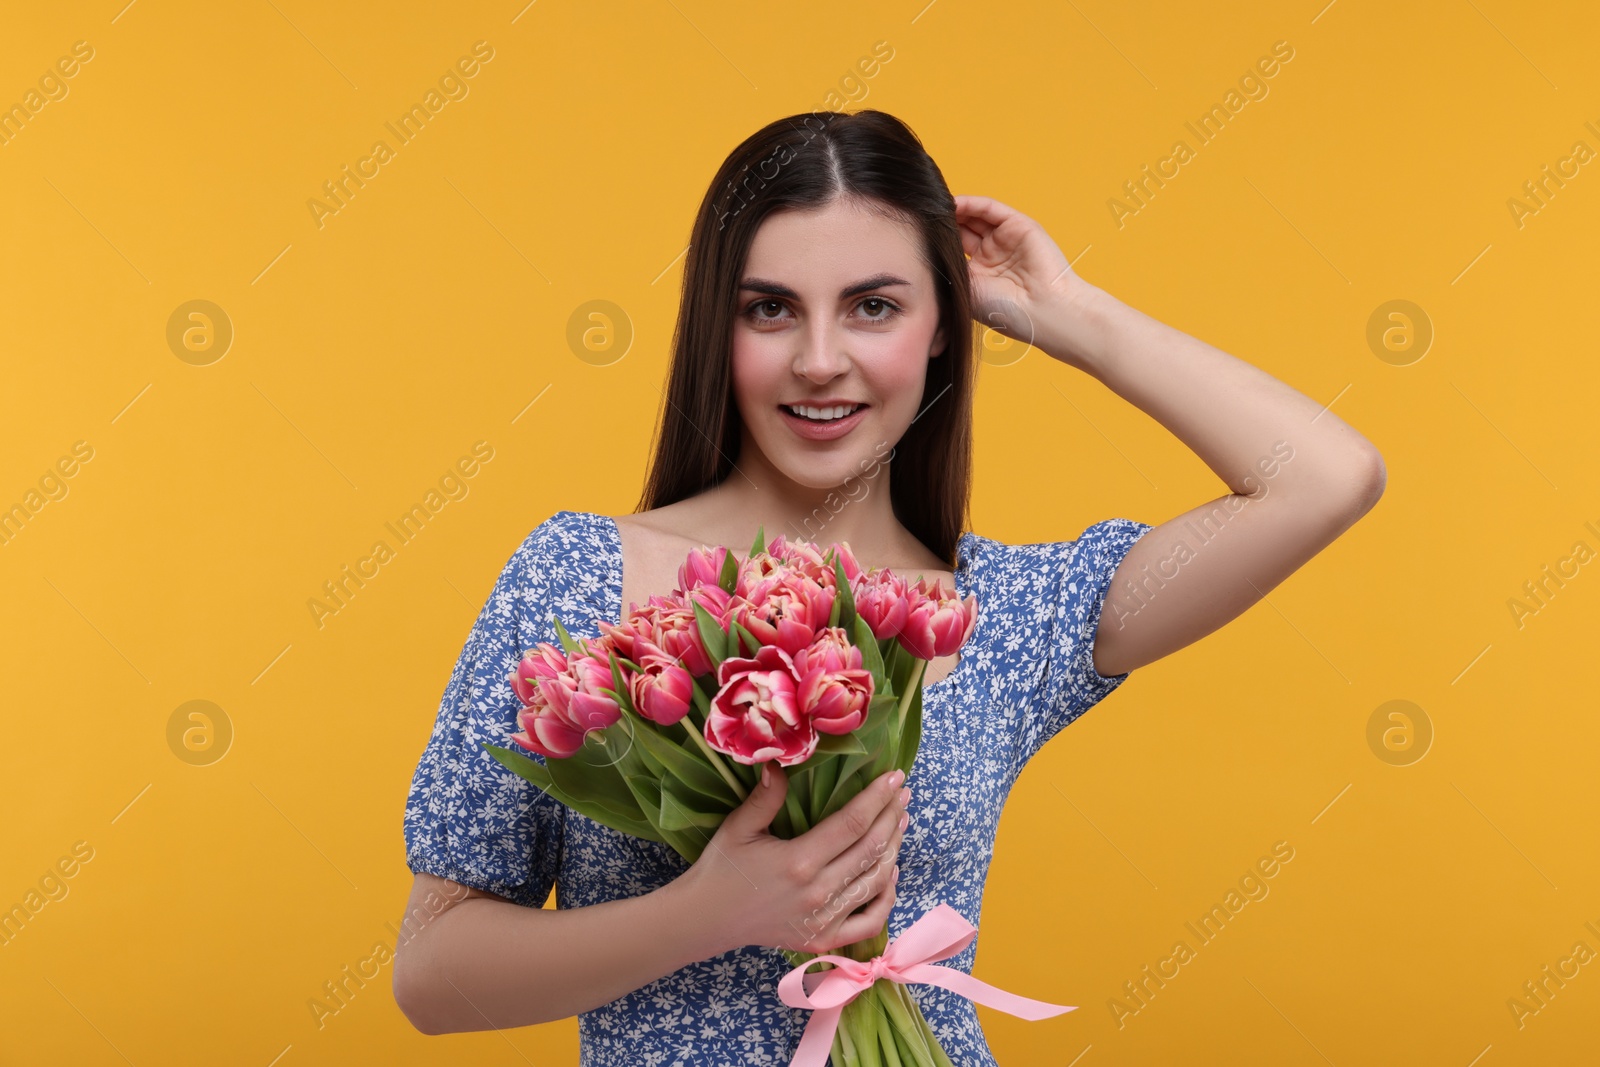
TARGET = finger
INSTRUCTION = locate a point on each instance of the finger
(858, 896)
(986, 208)
(970, 241)
(850, 823)
(870, 920)
(876, 847)
(756, 812)
(979, 228)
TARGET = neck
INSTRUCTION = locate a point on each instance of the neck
(859, 510)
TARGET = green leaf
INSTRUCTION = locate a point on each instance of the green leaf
(754, 642)
(905, 662)
(619, 690)
(712, 635)
(572, 647)
(538, 775)
(590, 774)
(523, 766)
(870, 658)
(760, 542)
(911, 734)
(840, 744)
(688, 844)
(729, 578)
(845, 602)
(640, 757)
(857, 769)
(687, 767)
(823, 777)
(680, 808)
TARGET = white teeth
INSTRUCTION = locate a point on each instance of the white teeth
(838, 411)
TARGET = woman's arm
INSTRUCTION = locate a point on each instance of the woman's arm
(483, 962)
(1299, 475)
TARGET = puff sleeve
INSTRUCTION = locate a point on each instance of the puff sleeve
(1075, 576)
(467, 818)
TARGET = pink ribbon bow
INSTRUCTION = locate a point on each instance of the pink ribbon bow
(938, 935)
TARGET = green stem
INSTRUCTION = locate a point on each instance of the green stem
(918, 1035)
(886, 1029)
(869, 1019)
(844, 1048)
(823, 777)
(903, 707)
(797, 817)
(716, 760)
(905, 1024)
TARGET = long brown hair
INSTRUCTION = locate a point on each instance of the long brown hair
(808, 160)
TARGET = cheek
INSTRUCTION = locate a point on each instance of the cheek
(900, 366)
(756, 373)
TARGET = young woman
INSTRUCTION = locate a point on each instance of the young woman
(821, 386)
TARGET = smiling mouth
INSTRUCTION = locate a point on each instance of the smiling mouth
(823, 415)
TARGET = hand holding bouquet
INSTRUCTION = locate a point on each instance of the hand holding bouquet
(660, 728)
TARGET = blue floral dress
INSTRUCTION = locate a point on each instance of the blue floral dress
(1024, 674)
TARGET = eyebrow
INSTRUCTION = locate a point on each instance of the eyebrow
(877, 281)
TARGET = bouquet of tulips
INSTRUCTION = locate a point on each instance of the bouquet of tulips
(658, 728)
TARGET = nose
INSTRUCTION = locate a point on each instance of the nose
(821, 357)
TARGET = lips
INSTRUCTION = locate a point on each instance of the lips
(813, 430)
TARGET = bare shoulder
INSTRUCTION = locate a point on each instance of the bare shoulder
(654, 544)
(675, 527)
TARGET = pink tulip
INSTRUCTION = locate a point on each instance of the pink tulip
(808, 558)
(702, 567)
(639, 621)
(546, 730)
(938, 622)
(852, 569)
(883, 600)
(835, 690)
(755, 716)
(547, 726)
(786, 609)
(543, 661)
(670, 624)
(563, 706)
(663, 690)
(677, 631)
(753, 570)
(590, 674)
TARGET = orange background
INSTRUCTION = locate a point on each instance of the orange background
(432, 311)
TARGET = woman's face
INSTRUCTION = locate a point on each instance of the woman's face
(835, 309)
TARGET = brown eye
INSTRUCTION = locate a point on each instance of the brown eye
(875, 303)
(755, 311)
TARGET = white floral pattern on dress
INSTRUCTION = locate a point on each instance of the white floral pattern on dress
(1025, 673)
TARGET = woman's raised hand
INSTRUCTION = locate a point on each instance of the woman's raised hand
(803, 894)
(1016, 268)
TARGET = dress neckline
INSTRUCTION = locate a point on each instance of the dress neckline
(964, 549)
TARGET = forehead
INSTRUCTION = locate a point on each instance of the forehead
(820, 248)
